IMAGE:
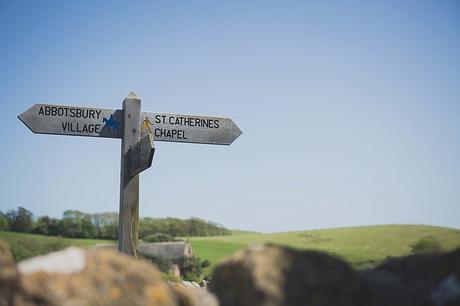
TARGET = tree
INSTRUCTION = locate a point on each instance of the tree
(177, 227)
(76, 224)
(3, 222)
(197, 227)
(19, 220)
(110, 231)
(106, 225)
(42, 226)
(148, 226)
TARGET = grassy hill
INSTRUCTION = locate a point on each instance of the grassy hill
(361, 246)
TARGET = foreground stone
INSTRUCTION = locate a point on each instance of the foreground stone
(9, 275)
(277, 276)
(416, 280)
(74, 277)
(77, 277)
(187, 296)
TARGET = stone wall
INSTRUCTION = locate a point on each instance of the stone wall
(258, 276)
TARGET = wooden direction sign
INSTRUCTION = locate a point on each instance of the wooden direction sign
(97, 122)
(73, 120)
(129, 124)
(191, 129)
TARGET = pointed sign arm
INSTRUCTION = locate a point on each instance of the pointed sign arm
(190, 128)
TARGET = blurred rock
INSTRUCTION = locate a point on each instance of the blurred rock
(275, 276)
(434, 267)
(9, 276)
(94, 277)
(279, 276)
(416, 280)
(194, 296)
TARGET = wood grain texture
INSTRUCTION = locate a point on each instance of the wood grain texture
(129, 187)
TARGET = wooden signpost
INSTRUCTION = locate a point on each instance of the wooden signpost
(138, 131)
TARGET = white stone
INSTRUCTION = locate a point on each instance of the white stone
(68, 261)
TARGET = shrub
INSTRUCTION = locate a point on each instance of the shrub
(426, 245)
(158, 237)
(163, 264)
(26, 248)
(205, 263)
(3, 222)
(190, 268)
(191, 277)
(169, 277)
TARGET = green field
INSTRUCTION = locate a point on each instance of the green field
(12, 236)
(360, 246)
(240, 232)
(28, 245)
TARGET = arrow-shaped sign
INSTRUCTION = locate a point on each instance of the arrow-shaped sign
(188, 128)
(73, 120)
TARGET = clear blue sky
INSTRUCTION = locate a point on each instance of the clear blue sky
(350, 110)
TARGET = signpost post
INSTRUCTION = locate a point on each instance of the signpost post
(137, 131)
(129, 185)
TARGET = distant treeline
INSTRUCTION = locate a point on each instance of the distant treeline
(78, 224)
